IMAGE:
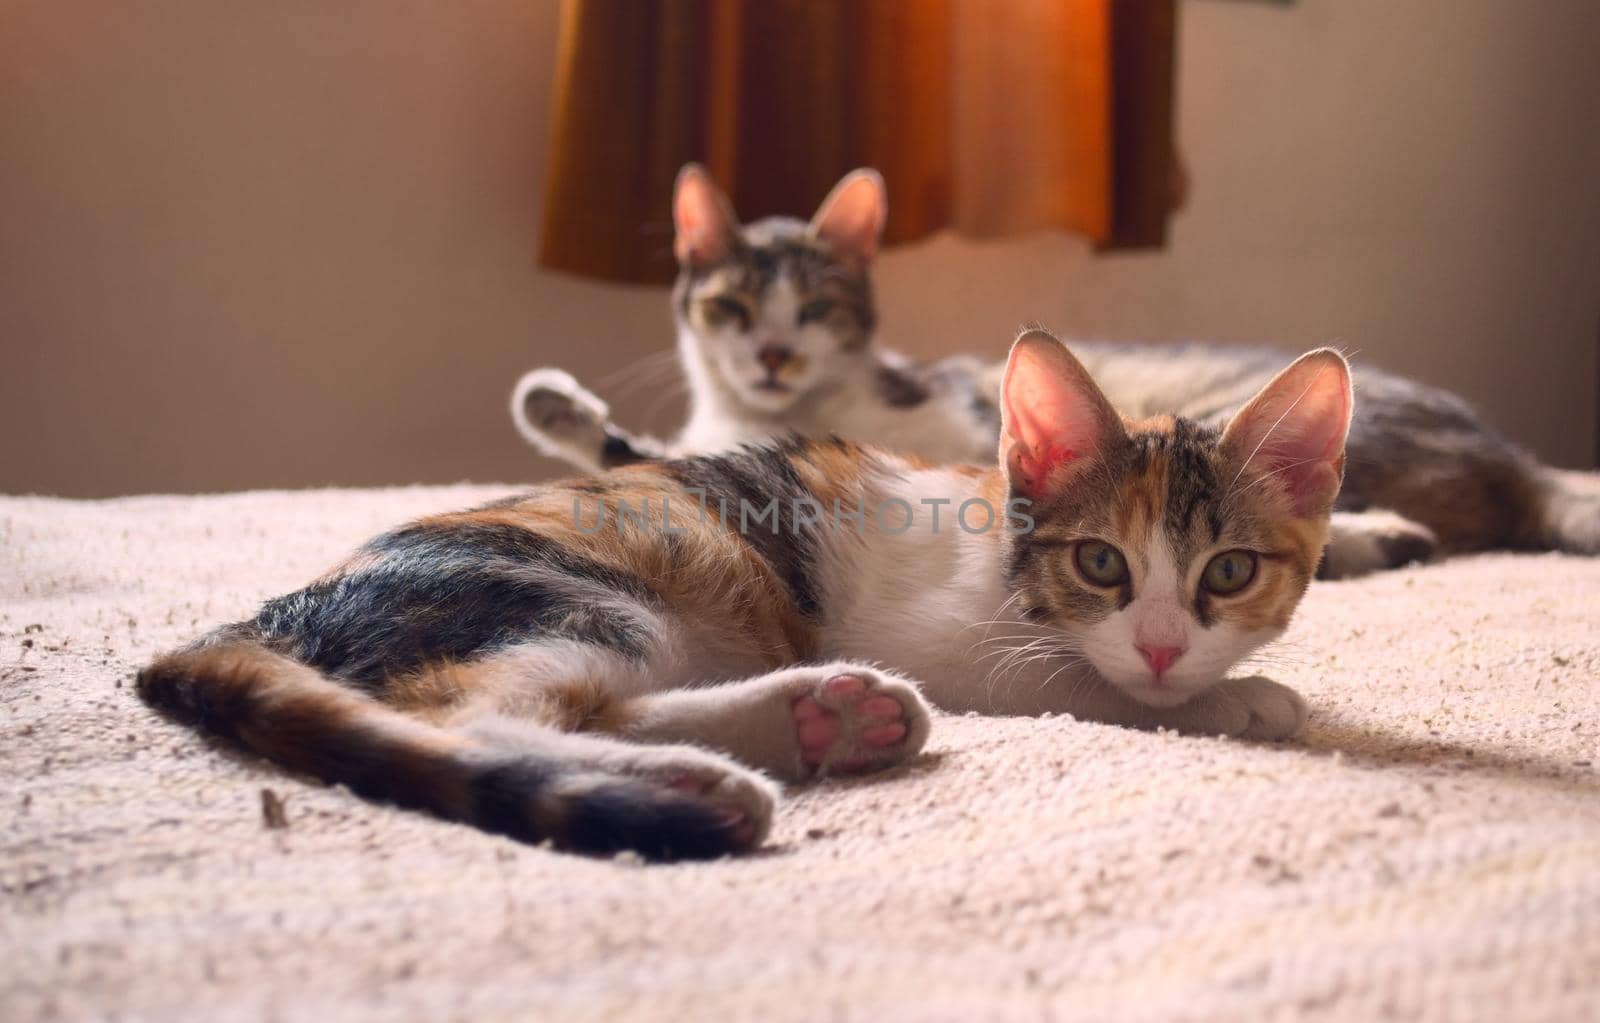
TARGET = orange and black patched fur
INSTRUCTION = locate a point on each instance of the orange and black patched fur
(630, 661)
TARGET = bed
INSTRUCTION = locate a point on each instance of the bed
(1430, 849)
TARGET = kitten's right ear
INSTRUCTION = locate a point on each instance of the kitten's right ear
(851, 218)
(702, 218)
(1293, 431)
(1054, 420)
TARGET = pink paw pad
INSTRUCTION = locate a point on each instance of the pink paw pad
(846, 725)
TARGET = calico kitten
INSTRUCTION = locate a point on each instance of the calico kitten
(761, 359)
(598, 664)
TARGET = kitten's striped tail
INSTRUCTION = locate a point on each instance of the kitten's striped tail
(291, 714)
(563, 419)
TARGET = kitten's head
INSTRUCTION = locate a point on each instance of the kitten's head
(777, 307)
(1168, 550)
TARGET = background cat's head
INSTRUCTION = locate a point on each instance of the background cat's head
(778, 307)
(1168, 550)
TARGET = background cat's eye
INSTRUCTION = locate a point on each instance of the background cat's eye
(721, 307)
(1229, 572)
(816, 310)
(1100, 563)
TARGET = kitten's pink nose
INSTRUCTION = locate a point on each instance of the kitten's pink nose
(773, 357)
(1160, 658)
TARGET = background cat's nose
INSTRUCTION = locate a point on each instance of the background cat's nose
(1160, 658)
(774, 356)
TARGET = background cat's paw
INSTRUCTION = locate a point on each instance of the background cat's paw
(1572, 511)
(852, 720)
(1272, 711)
(559, 416)
(1371, 541)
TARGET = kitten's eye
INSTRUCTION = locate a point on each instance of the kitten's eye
(721, 307)
(1101, 563)
(817, 309)
(1229, 572)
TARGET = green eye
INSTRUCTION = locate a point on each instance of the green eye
(1101, 563)
(815, 310)
(1229, 572)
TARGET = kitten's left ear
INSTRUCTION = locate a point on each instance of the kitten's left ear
(703, 222)
(1054, 421)
(851, 218)
(1294, 430)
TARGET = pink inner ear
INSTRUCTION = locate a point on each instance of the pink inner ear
(699, 221)
(1295, 432)
(1046, 449)
(1038, 473)
(1051, 422)
(852, 220)
(1305, 469)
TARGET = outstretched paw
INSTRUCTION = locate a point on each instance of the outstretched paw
(560, 417)
(852, 721)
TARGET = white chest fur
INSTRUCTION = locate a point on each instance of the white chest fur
(931, 601)
(939, 429)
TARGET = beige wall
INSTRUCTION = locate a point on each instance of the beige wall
(261, 244)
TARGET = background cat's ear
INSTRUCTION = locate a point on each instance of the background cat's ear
(1054, 420)
(1293, 431)
(851, 218)
(702, 218)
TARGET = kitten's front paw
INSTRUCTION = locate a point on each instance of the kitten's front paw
(558, 415)
(852, 720)
(1260, 708)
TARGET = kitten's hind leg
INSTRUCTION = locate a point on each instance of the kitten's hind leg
(742, 798)
(1371, 541)
(565, 420)
(434, 741)
(796, 723)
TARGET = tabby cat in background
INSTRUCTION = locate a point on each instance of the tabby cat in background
(549, 668)
(775, 334)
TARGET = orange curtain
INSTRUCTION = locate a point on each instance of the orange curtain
(987, 117)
